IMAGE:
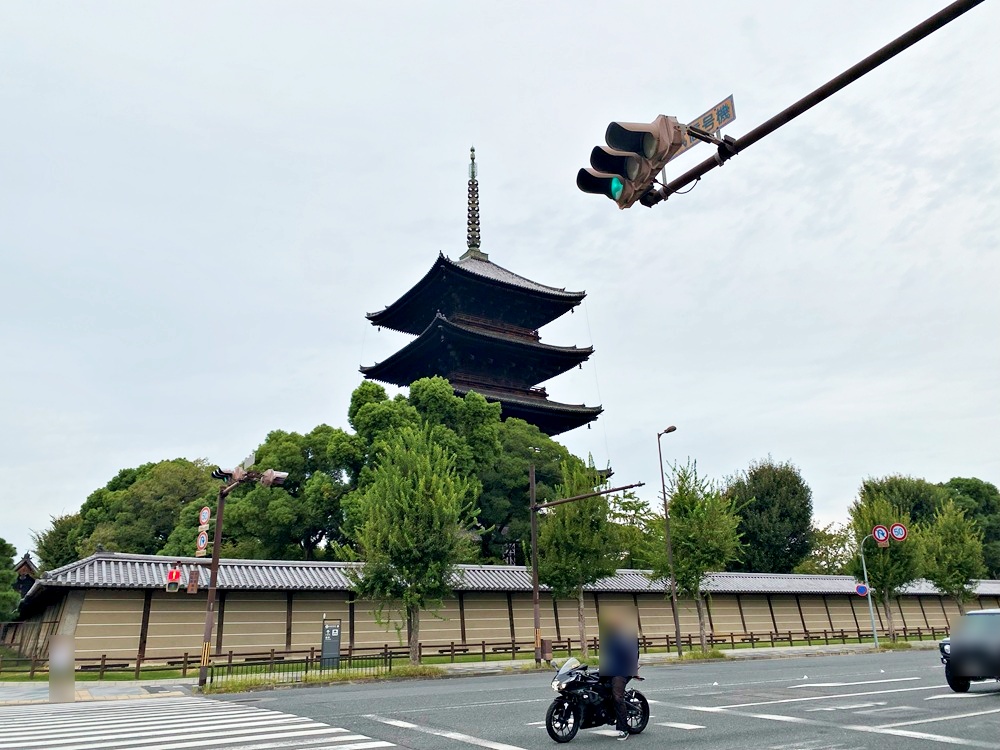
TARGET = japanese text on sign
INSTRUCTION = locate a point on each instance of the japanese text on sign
(712, 121)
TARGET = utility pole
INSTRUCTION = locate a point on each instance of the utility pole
(670, 544)
(233, 478)
(535, 507)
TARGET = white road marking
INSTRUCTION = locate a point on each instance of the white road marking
(457, 736)
(848, 684)
(934, 719)
(678, 725)
(172, 724)
(831, 697)
(852, 707)
(889, 709)
(893, 731)
(959, 696)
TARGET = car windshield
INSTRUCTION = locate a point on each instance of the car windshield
(569, 665)
(977, 625)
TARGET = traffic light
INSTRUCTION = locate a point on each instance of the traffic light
(272, 478)
(174, 579)
(624, 170)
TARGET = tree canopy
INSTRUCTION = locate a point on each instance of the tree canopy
(981, 502)
(577, 545)
(8, 596)
(775, 516)
(413, 522)
(893, 567)
(953, 552)
(704, 529)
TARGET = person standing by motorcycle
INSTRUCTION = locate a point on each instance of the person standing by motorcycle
(619, 661)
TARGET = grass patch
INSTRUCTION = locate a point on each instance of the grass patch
(699, 655)
(897, 646)
(247, 684)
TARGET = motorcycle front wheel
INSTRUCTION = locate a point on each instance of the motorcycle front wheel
(638, 712)
(562, 720)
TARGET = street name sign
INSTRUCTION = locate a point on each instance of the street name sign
(717, 117)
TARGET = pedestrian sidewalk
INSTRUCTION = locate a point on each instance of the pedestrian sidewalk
(24, 693)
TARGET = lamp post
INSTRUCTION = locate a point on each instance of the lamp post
(670, 546)
(535, 507)
(232, 479)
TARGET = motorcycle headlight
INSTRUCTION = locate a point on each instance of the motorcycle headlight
(558, 685)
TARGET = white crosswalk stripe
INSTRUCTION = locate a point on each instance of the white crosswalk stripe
(169, 724)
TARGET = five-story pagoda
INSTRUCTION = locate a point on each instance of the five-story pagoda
(476, 324)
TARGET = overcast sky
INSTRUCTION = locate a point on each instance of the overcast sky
(200, 201)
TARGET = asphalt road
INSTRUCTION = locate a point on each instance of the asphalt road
(884, 701)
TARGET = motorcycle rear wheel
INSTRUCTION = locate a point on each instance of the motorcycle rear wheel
(638, 712)
(562, 720)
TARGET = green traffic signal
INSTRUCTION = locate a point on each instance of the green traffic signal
(616, 188)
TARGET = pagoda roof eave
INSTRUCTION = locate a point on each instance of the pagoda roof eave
(477, 272)
(558, 358)
(551, 417)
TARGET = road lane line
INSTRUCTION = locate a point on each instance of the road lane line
(457, 736)
(852, 707)
(678, 725)
(831, 697)
(959, 696)
(895, 732)
(940, 718)
(849, 684)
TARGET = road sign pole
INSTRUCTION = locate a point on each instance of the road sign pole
(868, 595)
(213, 581)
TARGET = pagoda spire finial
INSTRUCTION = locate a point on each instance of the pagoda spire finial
(473, 235)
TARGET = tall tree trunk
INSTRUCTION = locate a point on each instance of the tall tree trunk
(887, 603)
(581, 622)
(961, 605)
(413, 630)
(700, 605)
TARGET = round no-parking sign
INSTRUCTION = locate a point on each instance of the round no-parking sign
(861, 590)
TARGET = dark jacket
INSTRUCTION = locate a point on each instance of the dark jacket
(619, 655)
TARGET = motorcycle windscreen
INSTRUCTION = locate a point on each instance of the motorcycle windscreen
(568, 666)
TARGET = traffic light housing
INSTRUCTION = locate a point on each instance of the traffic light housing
(636, 152)
(173, 580)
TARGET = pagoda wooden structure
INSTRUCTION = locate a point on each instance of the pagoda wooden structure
(476, 324)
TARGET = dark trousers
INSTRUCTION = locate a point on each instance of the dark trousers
(621, 710)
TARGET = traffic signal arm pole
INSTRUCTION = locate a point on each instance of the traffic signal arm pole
(553, 503)
(206, 644)
(828, 89)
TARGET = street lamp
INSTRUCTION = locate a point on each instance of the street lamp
(232, 478)
(670, 546)
(535, 507)
(868, 589)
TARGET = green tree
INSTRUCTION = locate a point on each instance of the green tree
(953, 553)
(832, 551)
(576, 543)
(414, 519)
(981, 502)
(632, 524)
(8, 596)
(138, 509)
(504, 516)
(704, 529)
(56, 545)
(918, 497)
(891, 568)
(776, 516)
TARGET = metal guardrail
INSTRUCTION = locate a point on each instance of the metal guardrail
(282, 670)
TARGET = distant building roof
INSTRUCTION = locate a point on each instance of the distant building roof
(453, 350)
(478, 287)
(127, 571)
(26, 566)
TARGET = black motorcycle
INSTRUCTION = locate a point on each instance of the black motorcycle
(585, 701)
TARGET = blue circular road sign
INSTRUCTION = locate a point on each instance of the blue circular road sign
(861, 590)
